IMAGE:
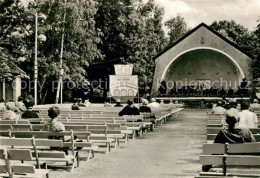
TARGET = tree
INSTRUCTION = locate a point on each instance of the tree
(236, 33)
(14, 33)
(177, 28)
(246, 40)
(132, 30)
(256, 51)
(80, 44)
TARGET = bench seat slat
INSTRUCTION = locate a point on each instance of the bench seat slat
(213, 148)
(243, 160)
(244, 148)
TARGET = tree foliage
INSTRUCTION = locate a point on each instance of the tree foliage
(80, 42)
(132, 30)
(246, 40)
(177, 28)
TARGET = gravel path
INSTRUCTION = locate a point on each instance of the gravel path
(171, 150)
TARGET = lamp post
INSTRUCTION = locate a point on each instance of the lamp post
(60, 84)
(41, 38)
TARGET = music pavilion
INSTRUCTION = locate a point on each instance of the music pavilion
(202, 56)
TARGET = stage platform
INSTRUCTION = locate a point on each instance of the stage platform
(199, 98)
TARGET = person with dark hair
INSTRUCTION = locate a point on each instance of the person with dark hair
(80, 103)
(53, 125)
(231, 135)
(75, 105)
(29, 113)
(2, 105)
(129, 109)
(144, 107)
(162, 87)
(20, 105)
(230, 92)
(219, 109)
(248, 119)
(118, 103)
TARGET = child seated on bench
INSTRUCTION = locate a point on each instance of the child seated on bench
(232, 134)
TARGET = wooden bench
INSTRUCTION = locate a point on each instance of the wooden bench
(45, 156)
(232, 156)
(20, 170)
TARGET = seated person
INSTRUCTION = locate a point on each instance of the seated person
(129, 109)
(248, 119)
(219, 109)
(80, 103)
(12, 104)
(118, 103)
(144, 107)
(75, 105)
(107, 103)
(232, 134)
(254, 106)
(20, 105)
(9, 114)
(153, 104)
(54, 126)
(29, 113)
(2, 105)
(161, 102)
(87, 103)
(232, 104)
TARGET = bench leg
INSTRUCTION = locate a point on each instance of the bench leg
(151, 127)
(126, 138)
(134, 132)
(116, 142)
(77, 158)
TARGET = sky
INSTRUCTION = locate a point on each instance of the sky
(244, 12)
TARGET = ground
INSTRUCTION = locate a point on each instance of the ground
(172, 150)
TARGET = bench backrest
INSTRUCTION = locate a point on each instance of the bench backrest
(39, 134)
(20, 154)
(245, 154)
(5, 141)
(27, 127)
(6, 127)
(97, 129)
(14, 122)
(76, 127)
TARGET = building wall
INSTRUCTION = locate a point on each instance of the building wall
(201, 38)
(12, 89)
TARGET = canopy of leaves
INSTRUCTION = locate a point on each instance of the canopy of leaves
(246, 40)
(177, 28)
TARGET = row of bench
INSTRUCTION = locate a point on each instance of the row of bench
(242, 160)
(91, 137)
